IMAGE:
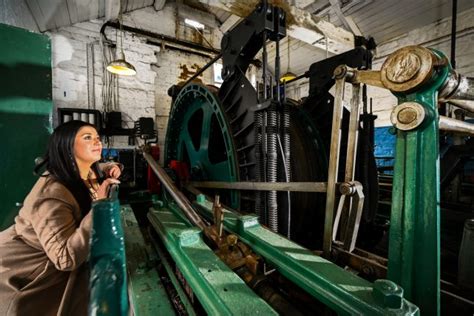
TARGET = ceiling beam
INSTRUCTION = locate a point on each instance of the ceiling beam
(301, 25)
(229, 23)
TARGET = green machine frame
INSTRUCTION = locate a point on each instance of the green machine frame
(418, 77)
(414, 246)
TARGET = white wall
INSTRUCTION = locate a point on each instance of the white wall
(144, 95)
(437, 36)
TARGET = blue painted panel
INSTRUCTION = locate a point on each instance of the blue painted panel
(384, 148)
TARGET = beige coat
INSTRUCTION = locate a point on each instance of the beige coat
(42, 255)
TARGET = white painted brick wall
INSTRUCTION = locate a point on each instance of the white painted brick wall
(144, 95)
(168, 72)
(437, 36)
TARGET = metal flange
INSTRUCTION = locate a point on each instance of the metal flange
(408, 68)
(408, 116)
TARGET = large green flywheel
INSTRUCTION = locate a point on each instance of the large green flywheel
(205, 134)
(199, 135)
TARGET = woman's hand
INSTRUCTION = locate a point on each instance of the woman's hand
(114, 172)
(103, 189)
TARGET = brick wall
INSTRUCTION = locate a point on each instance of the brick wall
(436, 35)
(143, 95)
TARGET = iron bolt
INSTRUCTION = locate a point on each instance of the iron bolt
(388, 293)
(232, 240)
(407, 115)
(340, 71)
(201, 198)
(347, 188)
(367, 270)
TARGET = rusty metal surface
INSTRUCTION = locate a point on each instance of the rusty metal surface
(263, 186)
(408, 68)
(408, 116)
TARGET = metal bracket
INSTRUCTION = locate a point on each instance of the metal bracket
(355, 202)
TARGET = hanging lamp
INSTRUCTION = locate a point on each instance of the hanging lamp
(288, 75)
(121, 66)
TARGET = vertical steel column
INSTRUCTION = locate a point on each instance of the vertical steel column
(414, 246)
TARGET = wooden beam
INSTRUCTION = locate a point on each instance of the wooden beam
(302, 25)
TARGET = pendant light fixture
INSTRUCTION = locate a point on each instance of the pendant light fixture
(287, 76)
(120, 66)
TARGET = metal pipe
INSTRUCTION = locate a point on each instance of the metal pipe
(453, 125)
(156, 36)
(277, 67)
(464, 90)
(454, 18)
(463, 104)
(177, 195)
(264, 65)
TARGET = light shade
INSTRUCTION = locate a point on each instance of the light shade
(121, 67)
(287, 77)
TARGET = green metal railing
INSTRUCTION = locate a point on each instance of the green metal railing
(108, 280)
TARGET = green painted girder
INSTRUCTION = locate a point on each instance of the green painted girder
(414, 245)
(147, 294)
(342, 291)
(219, 290)
(108, 279)
(171, 274)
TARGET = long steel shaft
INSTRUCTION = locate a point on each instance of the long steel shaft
(177, 195)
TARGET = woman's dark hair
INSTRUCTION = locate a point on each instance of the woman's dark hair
(60, 163)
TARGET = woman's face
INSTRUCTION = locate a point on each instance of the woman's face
(87, 146)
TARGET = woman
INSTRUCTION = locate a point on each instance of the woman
(42, 270)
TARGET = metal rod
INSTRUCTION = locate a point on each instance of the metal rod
(467, 105)
(453, 125)
(454, 18)
(200, 71)
(465, 89)
(333, 166)
(177, 195)
(264, 64)
(352, 138)
(263, 186)
(277, 67)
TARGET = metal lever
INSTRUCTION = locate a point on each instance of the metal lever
(352, 190)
